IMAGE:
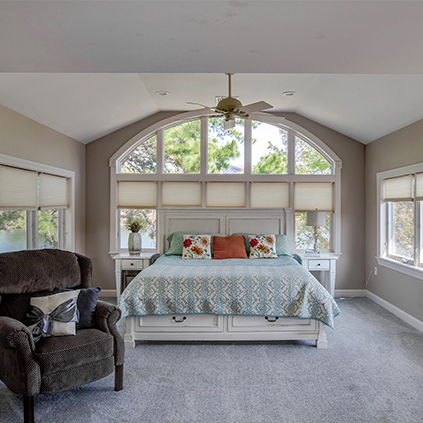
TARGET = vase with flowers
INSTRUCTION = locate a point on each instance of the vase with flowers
(134, 239)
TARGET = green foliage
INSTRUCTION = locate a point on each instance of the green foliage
(134, 225)
(12, 219)
(48, 231)
(275, 162)
(403, 229)
(304, 235)
(142, 159)
(308, 161)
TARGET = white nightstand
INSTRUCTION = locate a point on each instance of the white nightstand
(125, 262)
(324, 263)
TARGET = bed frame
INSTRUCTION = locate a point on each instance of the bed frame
(208, 327)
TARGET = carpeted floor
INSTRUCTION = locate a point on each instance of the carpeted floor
(372, 372)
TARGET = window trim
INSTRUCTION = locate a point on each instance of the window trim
(383, 211)
(66, 216)
(160, 126)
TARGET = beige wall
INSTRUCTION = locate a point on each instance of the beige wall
(400, 148)
(26, 139)
(351, 264)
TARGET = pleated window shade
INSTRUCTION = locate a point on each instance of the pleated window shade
(140, 195)
(269, 195)
(181, 194)
(313, 196)
(419, 186)
(398, 189)
(53, 192)
(225, 194)
(18, 188)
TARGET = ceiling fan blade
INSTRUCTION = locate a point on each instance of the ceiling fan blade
(201, 105)
(256, 107)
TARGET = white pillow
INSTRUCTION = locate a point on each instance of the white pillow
(262, 246)
(50, 303)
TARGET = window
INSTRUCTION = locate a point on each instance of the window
(269, 149)
(191, 161)
(35, 206)
(400, 193)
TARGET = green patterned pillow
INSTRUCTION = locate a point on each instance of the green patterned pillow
(282, 244)
(176, 242)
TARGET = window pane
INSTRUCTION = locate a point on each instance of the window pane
(304, 235)
(226, 148)
(48, 229)
(269, 149)
(182, 148)
(12, 231)
(147, 219)
(402, 229)
(309, 161)
(143, 159)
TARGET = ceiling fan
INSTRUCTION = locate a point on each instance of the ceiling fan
(230, 107)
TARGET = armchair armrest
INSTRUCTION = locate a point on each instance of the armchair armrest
(20, 370)
(107, 316)
(14, 334)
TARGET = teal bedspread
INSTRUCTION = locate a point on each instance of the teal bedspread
(263, 287)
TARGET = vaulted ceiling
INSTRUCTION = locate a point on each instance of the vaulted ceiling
(87, 68)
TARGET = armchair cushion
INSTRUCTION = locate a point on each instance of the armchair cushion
(56, 354)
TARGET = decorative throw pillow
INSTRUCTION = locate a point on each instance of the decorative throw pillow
(87, 303)
(54, 315)
(196, 247)
(229, 247)
(282, 245)
(176, 242)
(262, 246)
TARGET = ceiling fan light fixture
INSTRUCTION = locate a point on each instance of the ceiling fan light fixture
(228, 124)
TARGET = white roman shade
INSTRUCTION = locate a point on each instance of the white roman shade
(137, 195)
(272, 195)
(53, 192)
(18, 188)
(419, 186)
(181, 194)
(225, 194)
(398, 189)
(310, 196)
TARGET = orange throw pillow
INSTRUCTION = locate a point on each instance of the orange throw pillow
(229, 247)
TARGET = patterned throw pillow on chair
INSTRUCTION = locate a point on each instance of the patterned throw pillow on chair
(196, 247)
(54, 315)
(262, 246)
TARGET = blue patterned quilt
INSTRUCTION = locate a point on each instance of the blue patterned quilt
(264, 287)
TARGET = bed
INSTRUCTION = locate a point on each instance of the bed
(225, 300)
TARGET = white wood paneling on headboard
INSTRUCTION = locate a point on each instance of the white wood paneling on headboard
(220, 221)
(256, 225)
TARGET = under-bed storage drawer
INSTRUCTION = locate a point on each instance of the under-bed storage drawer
(180, 323)
(270, 324)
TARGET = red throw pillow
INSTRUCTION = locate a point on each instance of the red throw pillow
(229, 247)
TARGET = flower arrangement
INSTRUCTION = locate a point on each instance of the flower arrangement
(134, 226)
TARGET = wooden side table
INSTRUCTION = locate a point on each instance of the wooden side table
(324, 263)
(125, 262)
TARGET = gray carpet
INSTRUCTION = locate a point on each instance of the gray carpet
(372, 372)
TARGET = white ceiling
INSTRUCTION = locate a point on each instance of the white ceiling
(87, 68)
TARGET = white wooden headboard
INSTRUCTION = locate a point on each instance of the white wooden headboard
(220, 221)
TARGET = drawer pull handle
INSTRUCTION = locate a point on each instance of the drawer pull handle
(318, 264)
(271, 319)
(178, 321)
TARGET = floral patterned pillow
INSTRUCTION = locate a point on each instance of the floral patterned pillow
(197, 247)
(262, 246)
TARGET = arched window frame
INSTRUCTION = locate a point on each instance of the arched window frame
(293, 129)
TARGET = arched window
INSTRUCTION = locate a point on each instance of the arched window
(191, 161)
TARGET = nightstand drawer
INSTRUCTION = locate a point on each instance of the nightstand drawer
(319, 265)
(131, 264)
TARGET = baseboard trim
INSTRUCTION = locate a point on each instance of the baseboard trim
(108, 293)
(408, 318)
(349, 293)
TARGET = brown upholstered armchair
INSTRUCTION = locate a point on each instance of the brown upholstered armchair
(56, 363)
